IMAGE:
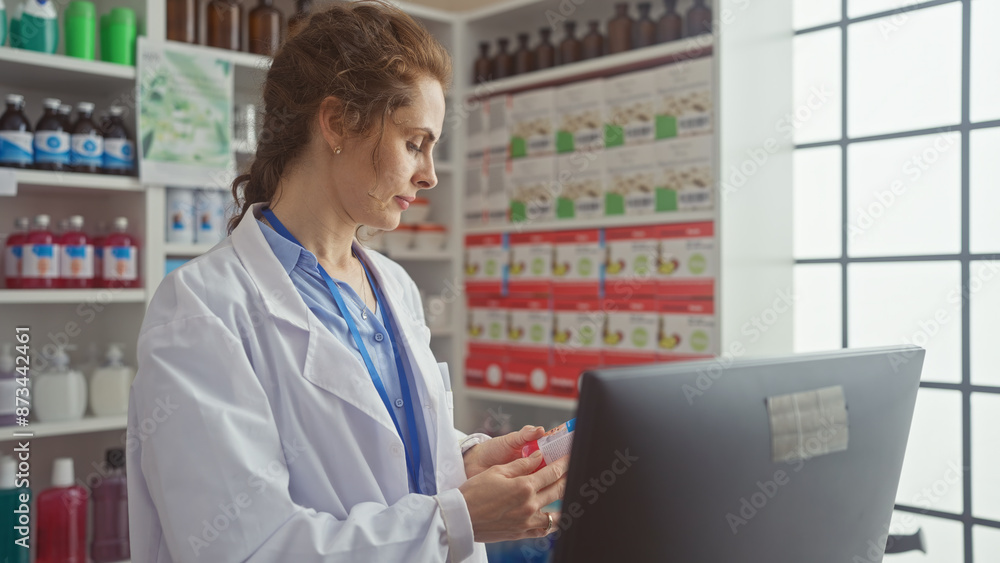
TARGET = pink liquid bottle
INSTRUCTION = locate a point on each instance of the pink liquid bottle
(98, 242)
(121, 257)
(62, 518)
(13, 253)
(111, 511)
(40, 257)
(76, 262)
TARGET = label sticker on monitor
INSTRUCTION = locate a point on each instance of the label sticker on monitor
(808, 424)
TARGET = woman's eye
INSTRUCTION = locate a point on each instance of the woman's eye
(413, 147)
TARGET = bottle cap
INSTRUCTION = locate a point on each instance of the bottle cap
(62, 472)
(42, 221)
(76, 222)
(60, 359)
(85, 107)
(116, 111)
(15, 99)
(6, 358)
(121, 223)
(80, 9)
(52, 103)
(114, 354)
(115, 457)
(122, 16)
(22, 223)
(8, 472)
(65, 108)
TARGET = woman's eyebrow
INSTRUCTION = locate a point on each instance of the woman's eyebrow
(430, 133)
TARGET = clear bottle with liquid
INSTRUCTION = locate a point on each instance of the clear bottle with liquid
(482, 69)
(76, 261)
(51, 139)
(645, 27)
(14, 253)
(182, 20)
(119, 148)
(17, 139)
(266, 24)
(524, 57)
(64, 112)
(593, 42)
(86, 141)
(120, 257)
(503, 63)
(40, 256)
(62, 518)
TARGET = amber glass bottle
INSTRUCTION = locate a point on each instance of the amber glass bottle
(571, 49)
(503, 63)
(225, 18)
(545, 52)
(265, 24)
(621, 30)
(699, 19)
(483, 67)
(182, 20)
(645, 28)
(524, 57)
(593, 42)
(671, 25)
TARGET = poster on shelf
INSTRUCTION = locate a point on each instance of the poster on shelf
(185, 109)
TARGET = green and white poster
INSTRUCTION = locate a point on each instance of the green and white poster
(185, 102)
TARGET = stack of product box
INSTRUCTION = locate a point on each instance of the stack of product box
(545, 306)
(638, 143)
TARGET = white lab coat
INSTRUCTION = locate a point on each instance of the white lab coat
(255, 435)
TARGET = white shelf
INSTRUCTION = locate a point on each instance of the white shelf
(55, 296)
(592, 68)
(79, 77)
(83, 426)
(668, 218)
(68, 182)
(421, 256)
(521, 398)
(186, 250)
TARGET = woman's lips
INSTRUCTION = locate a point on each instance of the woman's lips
(403, 203)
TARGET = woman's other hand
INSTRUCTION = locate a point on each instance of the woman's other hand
(500, 450)
(505, 501)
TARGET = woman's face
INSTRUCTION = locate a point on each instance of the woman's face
(405, 164)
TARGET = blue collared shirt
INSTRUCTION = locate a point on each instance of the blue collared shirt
(303, 268)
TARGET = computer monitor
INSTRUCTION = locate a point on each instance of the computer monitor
(787, 460)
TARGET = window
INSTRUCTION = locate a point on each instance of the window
(897, 238)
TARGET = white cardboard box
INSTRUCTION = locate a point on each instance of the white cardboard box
(580, 116)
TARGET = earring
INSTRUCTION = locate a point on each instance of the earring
(336, 150)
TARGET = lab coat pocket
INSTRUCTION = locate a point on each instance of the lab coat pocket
(449, 397)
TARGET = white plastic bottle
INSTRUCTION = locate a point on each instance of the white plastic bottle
(180, 215)
(110, 384)
(60, 394)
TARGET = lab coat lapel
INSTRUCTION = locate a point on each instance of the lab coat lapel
(328, 364)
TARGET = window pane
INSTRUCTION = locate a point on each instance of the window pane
(985, 77)
(943, 539)
(857, 8)
(932, 468)
(986, 456)
(904, 196)
(900, 302)
(817, 307)
(817, 78)
(984, 189)
(984, 296)
(816, 199)
(985, 543)
(810, 13)
(892, 89)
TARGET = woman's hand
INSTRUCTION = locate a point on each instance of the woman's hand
(505, 501)
(500, 450)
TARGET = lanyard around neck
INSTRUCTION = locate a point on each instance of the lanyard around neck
(413, 448)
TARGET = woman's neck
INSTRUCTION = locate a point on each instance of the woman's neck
(317, 221)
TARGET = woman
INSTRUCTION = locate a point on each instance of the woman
(287, 405)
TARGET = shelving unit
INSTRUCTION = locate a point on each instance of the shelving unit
(70, 296)
(70, 428)
(595, 223)
(67, 183)
(522, 399)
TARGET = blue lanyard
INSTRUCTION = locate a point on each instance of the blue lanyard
(413, 449)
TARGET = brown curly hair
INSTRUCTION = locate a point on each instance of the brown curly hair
(368, 54)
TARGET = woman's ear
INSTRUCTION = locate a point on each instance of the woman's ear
(330, 120)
